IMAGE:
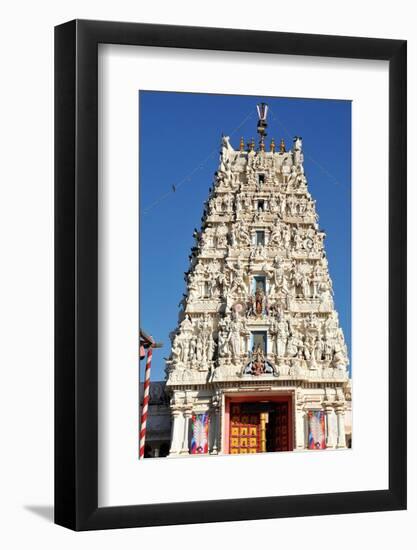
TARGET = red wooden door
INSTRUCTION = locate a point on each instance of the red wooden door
(244, 431)
(282, 427)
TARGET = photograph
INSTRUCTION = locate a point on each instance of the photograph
(206, 232)
(245, 274)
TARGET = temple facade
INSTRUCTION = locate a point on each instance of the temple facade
(258, 361)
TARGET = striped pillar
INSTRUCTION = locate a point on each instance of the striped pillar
(144, 415)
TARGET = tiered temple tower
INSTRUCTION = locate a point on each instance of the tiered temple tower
(258, 360)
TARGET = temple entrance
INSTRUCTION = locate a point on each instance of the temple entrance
(260, 426)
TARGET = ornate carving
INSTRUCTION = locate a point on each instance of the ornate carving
(276, 284)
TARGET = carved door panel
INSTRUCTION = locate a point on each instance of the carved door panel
(282, 427)
(244, 431)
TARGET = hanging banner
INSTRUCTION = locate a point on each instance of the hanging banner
(200, 434)
(316, 430)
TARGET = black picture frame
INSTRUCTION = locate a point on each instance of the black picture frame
(76, 272)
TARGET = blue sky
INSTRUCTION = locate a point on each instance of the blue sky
(179, 145)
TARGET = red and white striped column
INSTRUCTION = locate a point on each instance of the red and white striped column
(144, 414)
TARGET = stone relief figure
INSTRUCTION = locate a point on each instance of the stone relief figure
(298, 143)
(340, 357)
(193, 290)
(273, 206)
(222, 232)
(283, 205)
(315, 279)
(185, 348)
(234, 338)
(302, 206)
(199, 350)
(293, 177)
(292, 204)
(319, 349)
(297, 150)
(238, 283)
(301, 181)
(176, 351)
(211, 346)
(312, 324)
(292, 347)
(275, 237)
(318, 242)
(273, 329)
(250, 306)
(227, 149)
(223, 344)
(234, 182)
(325, 293)
(243, 235)
(298, 241)
(331, 326)
(303, 281)
(193, 348)
(286, 237)
(230, 337)
(285, 170)
(328, 350)
(282, 337)
(309, 352)
(297, 280)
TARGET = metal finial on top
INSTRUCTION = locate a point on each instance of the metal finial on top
(262, 109)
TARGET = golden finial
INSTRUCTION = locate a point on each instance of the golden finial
(252, 145)
(282, 146)
(272, 146)
(262, 145)
(242, 144)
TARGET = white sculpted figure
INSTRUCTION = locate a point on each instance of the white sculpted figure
(275, 237)
(234, 338)
(286, 237)
(176, 350)
(223, 344)
(243, 235)
(286, 170)
(282, 337)
(193, 289)
(283, 205)
(298, 143)
(340, 358)
(293, 177)
(199, 350)
(238, 283)
(211, 345)
(226, 149)
(185, 347)
(297, 149)
(193, 348)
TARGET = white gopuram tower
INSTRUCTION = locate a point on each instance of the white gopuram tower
(258, 362)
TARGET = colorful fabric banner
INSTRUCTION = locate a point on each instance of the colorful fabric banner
(316, 430)
(200, 433)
